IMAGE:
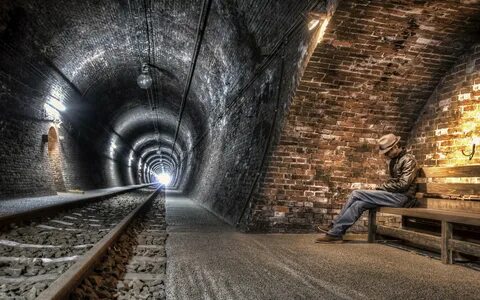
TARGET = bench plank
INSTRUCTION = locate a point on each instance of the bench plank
(434, 214)
(450, 204)
(418, 238)
(450, 188)
(464, 247)
(443, 172)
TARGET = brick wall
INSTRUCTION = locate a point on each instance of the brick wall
(450, 122)
(25, 164)
(28, 175)
(373, 71)
(27, 169)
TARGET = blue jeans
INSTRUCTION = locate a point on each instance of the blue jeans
(361, 200)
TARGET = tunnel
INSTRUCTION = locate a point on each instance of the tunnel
(211, 107)
(264, 115)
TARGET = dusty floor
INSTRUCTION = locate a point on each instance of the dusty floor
(208, 259)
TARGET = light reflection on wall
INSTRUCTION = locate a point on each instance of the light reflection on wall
(130, 158)
(113, 147)
(463, 132)
(52, 113)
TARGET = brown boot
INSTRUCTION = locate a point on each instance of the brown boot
(324, 228)
(326, 238)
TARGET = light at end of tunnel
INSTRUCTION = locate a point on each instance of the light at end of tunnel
(164, 178)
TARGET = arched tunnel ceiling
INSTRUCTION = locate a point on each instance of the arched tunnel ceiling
(133, 123)
(158, 141)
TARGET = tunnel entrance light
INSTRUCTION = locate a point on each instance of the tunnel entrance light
(144, 80)
(164, 178)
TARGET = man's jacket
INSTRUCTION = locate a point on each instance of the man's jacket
(403, 171)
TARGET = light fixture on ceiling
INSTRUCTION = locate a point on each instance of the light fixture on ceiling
(144, 80)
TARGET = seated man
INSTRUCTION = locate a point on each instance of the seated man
(398, 191)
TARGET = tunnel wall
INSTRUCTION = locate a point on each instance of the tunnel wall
(231, 155)
(450, 121)
(24, 159)
(28, 78)
(27, 169)
(325, 150)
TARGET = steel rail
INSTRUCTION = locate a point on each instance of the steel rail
(53, 209)
(63, 286)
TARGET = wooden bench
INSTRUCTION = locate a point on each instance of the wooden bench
(450, 195)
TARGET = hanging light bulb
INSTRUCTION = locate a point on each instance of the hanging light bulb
(144, 80)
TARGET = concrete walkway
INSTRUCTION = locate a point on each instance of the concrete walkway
(19, 205)
(207, 259)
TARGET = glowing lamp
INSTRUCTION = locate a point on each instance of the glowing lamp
(144, 81)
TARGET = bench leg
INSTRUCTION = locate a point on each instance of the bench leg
(404, 221)
(372, 225)
(446, 253)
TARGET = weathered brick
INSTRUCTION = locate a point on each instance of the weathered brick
(365, 80)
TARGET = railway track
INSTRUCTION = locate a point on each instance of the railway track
(73, 254)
